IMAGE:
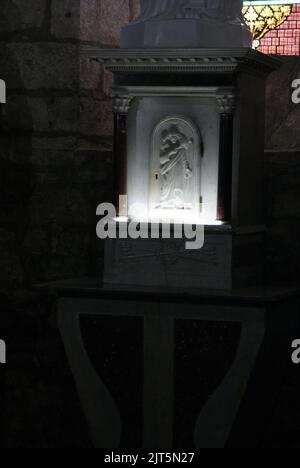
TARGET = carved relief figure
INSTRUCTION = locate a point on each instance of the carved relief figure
(174, 167)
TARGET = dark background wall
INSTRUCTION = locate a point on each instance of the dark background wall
(283, 175)
(55, 167)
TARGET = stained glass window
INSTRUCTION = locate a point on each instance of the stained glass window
(275, 25)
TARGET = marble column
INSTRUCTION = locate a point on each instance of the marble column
(224, 206)
(121, 109)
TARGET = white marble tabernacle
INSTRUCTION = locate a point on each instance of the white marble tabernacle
(188, 23)
(188, 145)
(173, 144)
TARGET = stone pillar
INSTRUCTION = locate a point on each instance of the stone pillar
(224, 206)
(121, 109)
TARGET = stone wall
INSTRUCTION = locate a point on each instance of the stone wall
(101, 22)
(283, 116)
(283, 175)
(55, 168)
(38, 141)
(56, 135)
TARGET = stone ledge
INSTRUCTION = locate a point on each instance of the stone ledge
(182, 60)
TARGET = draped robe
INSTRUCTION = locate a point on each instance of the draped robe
(226, 10)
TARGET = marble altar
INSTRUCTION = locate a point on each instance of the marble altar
(174, 350)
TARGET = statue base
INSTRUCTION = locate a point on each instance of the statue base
(186, 33)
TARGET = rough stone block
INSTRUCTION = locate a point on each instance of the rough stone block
(283, 216)
(90, 143)
(60, 204)
(11, 269)
(42, 114)
(283, 252)
(283, 176)
(65, 18)
(102, 20)
(14, 119)
(54, 142)
(40, 66)
(96, 117)
(15, 147)
(95, 167)
(36, 241)
(16, 183)
(54, 157)
(21, 15)
(94, 77)
(283, 116)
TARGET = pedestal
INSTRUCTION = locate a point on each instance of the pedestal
(167, 369)
(229, 259)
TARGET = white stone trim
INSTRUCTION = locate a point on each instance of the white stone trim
(182, 60)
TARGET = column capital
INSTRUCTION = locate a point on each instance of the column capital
(122, 104)
(227, 103)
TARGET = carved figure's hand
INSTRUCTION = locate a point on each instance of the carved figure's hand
(188, 173)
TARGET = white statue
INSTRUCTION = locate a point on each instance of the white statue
(223, 10)
(157, 8)
(188, 24)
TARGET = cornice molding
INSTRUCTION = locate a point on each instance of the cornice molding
(183, 60)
